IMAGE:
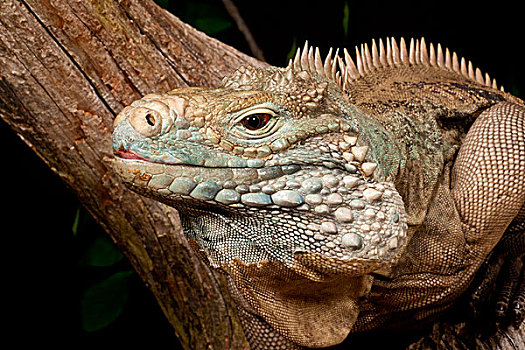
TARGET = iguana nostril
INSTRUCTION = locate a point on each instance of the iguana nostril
(150, 119)
(145, 121)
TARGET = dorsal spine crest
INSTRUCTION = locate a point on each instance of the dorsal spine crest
(345, 70)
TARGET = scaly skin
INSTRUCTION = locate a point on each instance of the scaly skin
(337, 197)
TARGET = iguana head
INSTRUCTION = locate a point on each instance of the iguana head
(272, 167)
(275, 150)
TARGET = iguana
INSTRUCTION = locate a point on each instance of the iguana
(339, 195)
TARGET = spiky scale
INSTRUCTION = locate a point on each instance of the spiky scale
(389, 52)
(424, 53)
(396, 56)
(403, 51)
(432, 56)
(375, 55)
(382, 54)
(440, 57)
(412, 52)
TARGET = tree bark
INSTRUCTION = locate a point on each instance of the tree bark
(66, 69)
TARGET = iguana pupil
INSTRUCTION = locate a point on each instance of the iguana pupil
(255, 121)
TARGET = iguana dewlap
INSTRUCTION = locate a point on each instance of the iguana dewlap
(336, 194)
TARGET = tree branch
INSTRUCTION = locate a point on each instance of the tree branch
(243, 28)
(66, 69)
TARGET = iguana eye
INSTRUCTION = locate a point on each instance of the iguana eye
(256, 121)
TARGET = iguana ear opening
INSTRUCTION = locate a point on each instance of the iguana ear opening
(308, 304)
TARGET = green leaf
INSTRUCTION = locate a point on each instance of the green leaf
(74, 227)
(163, 3)
(104, 301)
(346, 19)
(101, 253)
(292, 51)
(212, 25)
(211, 17)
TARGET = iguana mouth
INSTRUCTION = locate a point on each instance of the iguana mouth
(124, 153)
(225, 185)
(265, 172)
(121, 152)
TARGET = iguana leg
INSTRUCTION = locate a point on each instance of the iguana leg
(500, 283)
(517, 309)
(481, 292)
(488, 187)
(509, 282)
(510, 299)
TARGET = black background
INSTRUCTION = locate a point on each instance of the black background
(41, 274)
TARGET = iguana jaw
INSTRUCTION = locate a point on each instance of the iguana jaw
(365, 222)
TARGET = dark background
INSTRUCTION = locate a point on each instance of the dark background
(48, 271)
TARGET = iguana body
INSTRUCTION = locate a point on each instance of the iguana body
(338, 196)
